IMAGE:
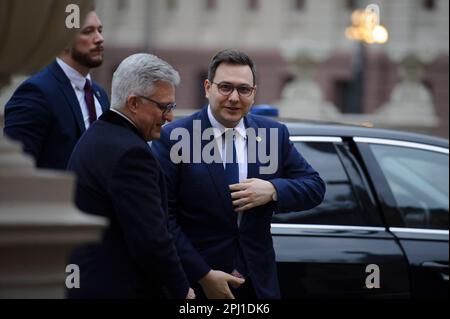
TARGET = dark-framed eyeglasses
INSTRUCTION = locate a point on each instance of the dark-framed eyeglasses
(226, 88)
(166, 108)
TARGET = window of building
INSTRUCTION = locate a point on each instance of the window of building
(253, 5)
(429, 4)
(211, 4)
(299, 5)
(172, 4)
(418, 180)
(346, 97)
(350, 5)
(122, 5)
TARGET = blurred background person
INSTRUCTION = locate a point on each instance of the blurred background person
(50, 111)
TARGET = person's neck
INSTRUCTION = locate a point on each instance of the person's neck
(127, 114)
(83, 70)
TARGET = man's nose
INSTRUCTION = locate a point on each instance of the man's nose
(234, 96)
(98, 38)
(169, 116)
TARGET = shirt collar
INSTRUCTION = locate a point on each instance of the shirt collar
(219, 129)
(74, 76)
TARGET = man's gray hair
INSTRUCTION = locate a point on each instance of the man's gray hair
(136, 76)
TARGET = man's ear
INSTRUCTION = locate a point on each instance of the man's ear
(132, 103)
(207, 86)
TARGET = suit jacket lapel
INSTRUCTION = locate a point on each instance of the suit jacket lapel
(69, 93)
(252, 167)
(104, 103)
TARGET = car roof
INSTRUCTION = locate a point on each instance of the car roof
(297, 128)
(333, 129)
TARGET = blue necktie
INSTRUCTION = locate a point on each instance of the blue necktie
(231, 164)
(232, 174)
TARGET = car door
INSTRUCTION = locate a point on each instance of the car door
(340, 248)
(412, 182)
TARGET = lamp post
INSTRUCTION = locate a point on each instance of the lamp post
(365, 29)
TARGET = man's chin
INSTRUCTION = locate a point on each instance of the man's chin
(232, 120)
(156, 136)
(94, 63)
(86, 59)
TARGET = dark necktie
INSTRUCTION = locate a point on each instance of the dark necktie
(232, 174)
(231, 164)
(89, 98)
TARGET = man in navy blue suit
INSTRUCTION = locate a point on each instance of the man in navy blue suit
(49, 111)
(228, 172)
(119, 178)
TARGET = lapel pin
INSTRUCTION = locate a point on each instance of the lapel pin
(258, 139)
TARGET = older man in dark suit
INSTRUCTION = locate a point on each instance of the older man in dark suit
(49, 111)
(119, 178)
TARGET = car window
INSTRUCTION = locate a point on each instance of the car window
(419, 182)
(340, 205)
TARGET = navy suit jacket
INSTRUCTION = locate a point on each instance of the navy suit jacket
(203, 221)
(119, 178)
(44, 114)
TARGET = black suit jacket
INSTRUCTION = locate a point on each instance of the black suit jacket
(119, 178)
(44, 114)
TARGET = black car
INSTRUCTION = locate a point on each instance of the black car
(382, 229)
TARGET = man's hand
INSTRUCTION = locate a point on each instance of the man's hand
(216, 284)
(251, 193)
(191, 294)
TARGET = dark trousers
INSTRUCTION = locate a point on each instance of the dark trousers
(245, 292)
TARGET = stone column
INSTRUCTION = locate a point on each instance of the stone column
(411, 105)
(39, 226)
(303, 98)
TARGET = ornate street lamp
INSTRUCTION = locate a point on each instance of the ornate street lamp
(366, 26)
(367, 30)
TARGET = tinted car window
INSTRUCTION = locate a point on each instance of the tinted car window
(418, 180)
(340, 205)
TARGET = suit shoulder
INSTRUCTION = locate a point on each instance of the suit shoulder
(105, 136)
(37, 80)
(36, 90)
(111, 142)
(41, 77)
(42, 83)
(264, 121)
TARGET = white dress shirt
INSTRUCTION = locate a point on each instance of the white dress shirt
(78, 81)
(240, 143)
